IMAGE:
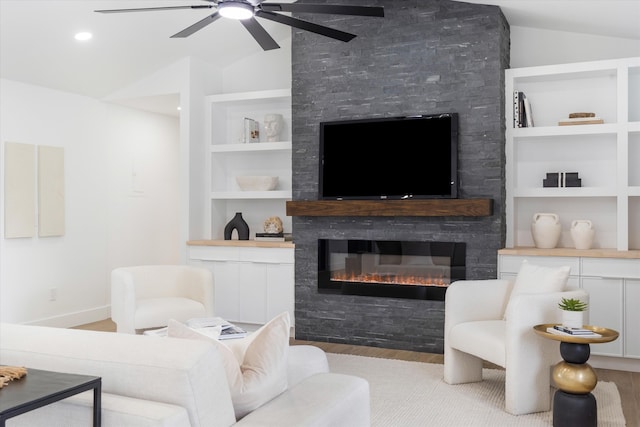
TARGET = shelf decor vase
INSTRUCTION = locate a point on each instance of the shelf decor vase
(237, 223)
(582, 233)
(572, 319)
(546, 230)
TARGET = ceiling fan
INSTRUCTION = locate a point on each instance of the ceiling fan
(247, 10)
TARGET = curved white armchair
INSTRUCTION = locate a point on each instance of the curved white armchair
(148, 296)
(475, 329)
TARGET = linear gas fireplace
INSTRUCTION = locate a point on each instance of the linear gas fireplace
(396, 269)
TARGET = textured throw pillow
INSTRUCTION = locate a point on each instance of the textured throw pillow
(535, 279)
(262, 375)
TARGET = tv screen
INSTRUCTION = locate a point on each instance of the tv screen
(390, 158)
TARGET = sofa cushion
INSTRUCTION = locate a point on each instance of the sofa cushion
(535, 279)
(262, 375)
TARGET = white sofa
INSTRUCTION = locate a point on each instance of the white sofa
(151, 381)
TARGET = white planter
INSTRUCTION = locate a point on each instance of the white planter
(573, 319)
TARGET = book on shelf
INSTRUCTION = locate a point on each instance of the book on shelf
(522, 115)
(581, 121)
(576, 332)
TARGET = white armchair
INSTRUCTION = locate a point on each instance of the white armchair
(477, 328)
(148, 296)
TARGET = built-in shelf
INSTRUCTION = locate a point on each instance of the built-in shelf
(241, 243)
(570, 252)
(428, 207)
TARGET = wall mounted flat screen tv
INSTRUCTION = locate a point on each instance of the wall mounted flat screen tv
(413, 157)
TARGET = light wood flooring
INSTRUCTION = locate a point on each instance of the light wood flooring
(628, 383)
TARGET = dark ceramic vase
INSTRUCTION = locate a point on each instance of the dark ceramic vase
(237, 223)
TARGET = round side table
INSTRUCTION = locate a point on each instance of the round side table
(573, 403)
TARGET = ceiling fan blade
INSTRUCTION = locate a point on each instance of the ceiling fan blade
(197, 26)
(323, 8)
(147, 9)
(260, 34)
(305, 25)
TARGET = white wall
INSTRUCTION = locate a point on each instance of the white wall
(532, 47)
(107, 224)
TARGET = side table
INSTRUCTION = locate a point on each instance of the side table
(40, 388)
(573, 403)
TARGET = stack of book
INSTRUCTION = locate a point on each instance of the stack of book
(581, 119)
(576, 332)
(273, 237)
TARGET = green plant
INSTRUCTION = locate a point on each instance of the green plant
(572, 304)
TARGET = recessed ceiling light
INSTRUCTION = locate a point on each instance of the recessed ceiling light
(83, 36)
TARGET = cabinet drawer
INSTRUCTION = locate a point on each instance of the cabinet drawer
(512, 263)
(267, 255)
(608, 267)
(214, 253)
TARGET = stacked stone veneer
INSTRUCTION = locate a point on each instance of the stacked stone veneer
(423, 57)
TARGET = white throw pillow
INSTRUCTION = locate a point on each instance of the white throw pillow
(535, 279)
(262, 375)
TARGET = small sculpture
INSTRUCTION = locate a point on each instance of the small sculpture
(273, 225)
(273, 126)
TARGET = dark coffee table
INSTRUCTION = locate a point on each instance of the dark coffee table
(40, 388)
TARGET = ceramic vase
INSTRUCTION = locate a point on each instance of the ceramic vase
(572, 319)
(237, 223)
(546, 230)
(582, 233)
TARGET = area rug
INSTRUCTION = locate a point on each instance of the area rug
(413, 394)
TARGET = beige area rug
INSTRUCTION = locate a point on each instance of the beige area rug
(413, 394)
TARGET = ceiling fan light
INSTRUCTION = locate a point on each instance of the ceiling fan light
(235, 10)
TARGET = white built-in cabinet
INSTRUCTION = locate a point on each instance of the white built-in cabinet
(607, 159)
(252, 284)
(606, 156)
(612, 279)
(254, 280)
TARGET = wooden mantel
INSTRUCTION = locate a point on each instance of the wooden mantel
(422, 207)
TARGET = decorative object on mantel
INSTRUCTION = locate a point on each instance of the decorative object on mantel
(582, 233)
(581, 119)
(237, 223)
(251, 130)
(546, 230)
(10, 373)
(257, 182)
(273, 124)
(572, 312)
(562, 179)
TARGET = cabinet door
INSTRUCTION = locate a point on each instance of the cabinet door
(253, 293)
(632, 318)
(605, 309)
(226, 276)
(280, 290)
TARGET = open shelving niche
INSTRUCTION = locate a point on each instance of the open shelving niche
(230, 157)
(606, 156)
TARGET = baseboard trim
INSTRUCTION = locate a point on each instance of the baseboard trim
(615, 363)
(77, 318)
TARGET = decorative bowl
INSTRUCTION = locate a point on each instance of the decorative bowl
(257, 182)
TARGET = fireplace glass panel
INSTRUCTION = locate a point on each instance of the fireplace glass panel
(397, 269)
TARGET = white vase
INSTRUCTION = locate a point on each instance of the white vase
(572, 319)
(582, 233)
(546, 230)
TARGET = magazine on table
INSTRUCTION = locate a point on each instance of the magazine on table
(228, 329)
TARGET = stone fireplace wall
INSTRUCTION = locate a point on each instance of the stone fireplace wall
(423, 57)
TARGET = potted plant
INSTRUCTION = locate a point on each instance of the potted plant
(572, 312)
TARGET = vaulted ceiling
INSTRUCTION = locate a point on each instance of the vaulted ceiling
(37, 44)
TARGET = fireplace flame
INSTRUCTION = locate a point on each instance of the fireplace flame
(389, 279)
